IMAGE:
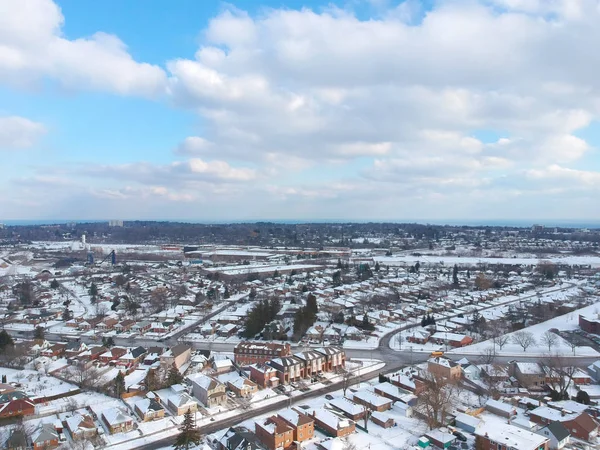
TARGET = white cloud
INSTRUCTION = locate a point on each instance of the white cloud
(32, 48)
(19, 132)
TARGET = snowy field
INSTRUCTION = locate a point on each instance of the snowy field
(563, 323)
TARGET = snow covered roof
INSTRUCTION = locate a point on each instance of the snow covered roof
(511, 436)
(372, 398)
(347, 406)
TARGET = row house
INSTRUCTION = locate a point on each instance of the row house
(289, 369)
(314, 362)
(335, 358)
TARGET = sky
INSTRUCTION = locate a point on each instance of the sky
(366, 110)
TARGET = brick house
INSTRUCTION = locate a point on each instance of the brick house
(44, 437)
(372, 401)
(348, 408)
(452, 339)
(589, 324)
(54, 350)
(419, 337)
(117, 421)
(288, 369)
(112, 355)
(408, 382)
(17, 408)
(264, 375)
(580, 424)
(335, 358)
(302, 424)
(314, 362)
(444, 368)
(274, 433)
(246, 353)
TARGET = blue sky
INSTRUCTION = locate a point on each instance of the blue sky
(252, 110)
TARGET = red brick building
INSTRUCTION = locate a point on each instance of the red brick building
(246, 353)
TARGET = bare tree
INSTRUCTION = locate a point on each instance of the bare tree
(435, 401)
(346, 380)
(573, 344)
(559, 373)
(501, 340)
(524, 339)
(549, 339)
(488, 356)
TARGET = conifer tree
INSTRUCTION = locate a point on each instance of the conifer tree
(189, 435)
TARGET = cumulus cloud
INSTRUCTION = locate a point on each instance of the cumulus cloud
(19, 132)
(32, 48)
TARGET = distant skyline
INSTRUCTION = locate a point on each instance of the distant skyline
(440, 111)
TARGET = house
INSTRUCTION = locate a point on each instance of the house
(505, 436)
(246, 353)
(594, 370)
(141, 327)
(451, 339)
(132, 358)
(16, 408)
(348, 408)
(112, 355)
(372, 401)
(238, 438)
(124, 326)
(54, 351)
(335, 358)
(148, 409)
(209, 391)
(222, 365)
(314, 362)
(589, 324)
(494, 372)
(467, 422)
(107, 324)
(302, 424)
(408, 382)
(178, 355)
(382, 420)
(500, 408)
(444, 368)
(529, 374)
(117, 421)
(242, 387)
(440, 439)
(558, 435)
(264, 375)
(153, 355)
(472, 372)
(274, 433)
(81, 426)
(332, 424)
(580, 424)
(181, 402)
(395, 393)
(45, 437)
(17, 440)
(289, 369)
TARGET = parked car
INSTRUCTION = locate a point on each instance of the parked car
(460, 436)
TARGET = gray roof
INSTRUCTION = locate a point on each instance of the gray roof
(558, 430)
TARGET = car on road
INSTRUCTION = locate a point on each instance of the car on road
(329, 397)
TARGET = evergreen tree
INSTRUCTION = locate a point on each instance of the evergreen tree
(93, 291)
(67, 315)
(174, 376)
(311, 303)
(455, 275)
(339, 264)
(276, 274)
(417, 266)
(189, 435)
(468, 274)
(54, 284)
(38, 333)
(5, 340)
(152, 381)
(119, 384)
(377, 266)
(226, 294)
(108, 342)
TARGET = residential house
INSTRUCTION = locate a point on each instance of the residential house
(452, 339)
(181, 402)
(558, 435)
(504, 436)
(274, 433)
(153, 355)
(395, 393)
(209, 391)
(302, 424)
(107, 324)
(445, 368)
(124, 326)
(141, 327)
(148, 409)
(18, 440)
(440, 439)
(371, 401)
(117, 421)
(54, 351)
(74, 348)
(408, 382)
(332, 424)
(580, 424)
(246, 353)
(418, 337)
(589, 324)
(17, 408)
(382, 420)
(222, 365)
(178, 355)
(112, 355)
(348, 408)
(81, 426)
(238, 438)
(264, 375)
(242, 387)
(132, 358)
(529, 374)
(45, 437)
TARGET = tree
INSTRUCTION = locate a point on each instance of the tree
(524, 339)
(174, 376)
(346, 380)
(119, 384)
(54, 284)
(549, 339)
(152, 380)
(435, 401)
(482, 282)
(25, 293)
(311, 304)
(38, 333)
(501, 340)
(559, 375)
(189, 435)
(5, 340)
(583, 397)
(377, 268)
(67, 315)
(93, 291)
(108, 342)
(455, 275)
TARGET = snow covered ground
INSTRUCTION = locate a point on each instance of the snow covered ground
(567, 322)
(396, 260)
